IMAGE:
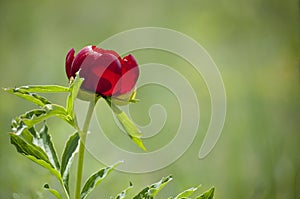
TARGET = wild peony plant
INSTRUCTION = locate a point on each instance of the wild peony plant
(94, 73)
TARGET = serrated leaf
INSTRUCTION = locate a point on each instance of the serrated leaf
(131, 130)
(123, 194)
(187, 192)
(67, 158)
(151, 191)
(32, 97)
(48, 146)
(95, 180)
(53, 191)
(43, 88)
(208, 194)
(74, 89)
(34, 153)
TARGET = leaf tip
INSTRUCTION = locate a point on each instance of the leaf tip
(138, 141)
(118, 163)
(9, 90)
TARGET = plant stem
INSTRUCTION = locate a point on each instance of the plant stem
(83, 134)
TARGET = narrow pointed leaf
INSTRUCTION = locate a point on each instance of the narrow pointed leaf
(67, 158)
(48, 146)
(34, 153)
(123, 194)
(151, 191)
(138, 142)
(187, 192)
(32, 97)
(35, 116)
(28, 149)
(131, 130)
(46, 165)
(43, 88)
(74, 89)
(53, 191)
(208, 194)
(95, 180)
(42, 140)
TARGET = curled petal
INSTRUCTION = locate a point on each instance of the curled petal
(69, 61)
(129, 62)
(80, 57)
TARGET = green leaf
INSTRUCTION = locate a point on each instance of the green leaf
(32, 97)
(123, 194)
(42, 140)
(74, 89)
(28, 135)
(43, 88)
(187, 192)
(131, 130)
(35, 116)
(151, 191)
(46, 143)
(138, 142)
(46, 165)
(47, 108)
(53, 191)
(28, 149)
(67, 158)
(17, 126)
(208, 194)
(34, 153)
(95, 180)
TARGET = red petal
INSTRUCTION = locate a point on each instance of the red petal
(103, 51)
(129, 62)
(103, 70)
(130, 74)
(80, 57)
(69, 61)
(101, 73)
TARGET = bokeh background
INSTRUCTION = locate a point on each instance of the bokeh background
(254, 43)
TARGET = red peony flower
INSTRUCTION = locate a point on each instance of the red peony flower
(104, 71)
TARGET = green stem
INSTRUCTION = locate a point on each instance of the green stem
(83, 134)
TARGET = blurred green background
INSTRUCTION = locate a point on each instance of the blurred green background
(254, 43)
